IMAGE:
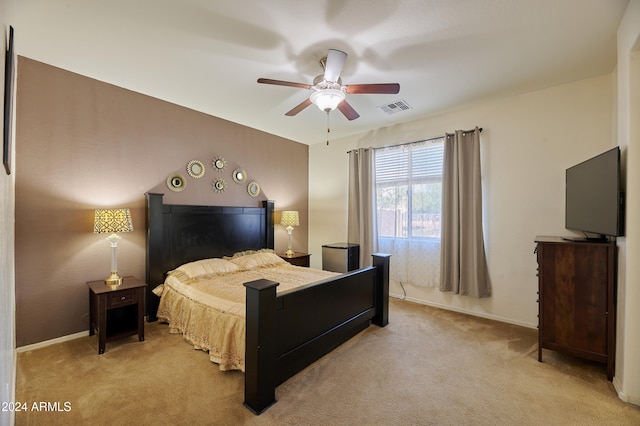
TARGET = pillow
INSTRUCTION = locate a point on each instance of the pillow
(213, 266)
(248, 252)
(257, 260)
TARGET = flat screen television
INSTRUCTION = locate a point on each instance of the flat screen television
(594, 198)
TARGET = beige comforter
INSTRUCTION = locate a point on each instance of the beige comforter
(207, 305)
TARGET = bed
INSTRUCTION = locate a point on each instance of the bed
(204, 300)
(289, 316)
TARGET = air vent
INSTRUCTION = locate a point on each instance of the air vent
(395, 107)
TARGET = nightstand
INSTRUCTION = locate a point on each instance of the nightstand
(298, 259)
(117, 313)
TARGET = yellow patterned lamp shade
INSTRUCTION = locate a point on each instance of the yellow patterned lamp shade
(112, 221)
(290, 218)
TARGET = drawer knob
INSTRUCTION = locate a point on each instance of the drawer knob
(123, 298)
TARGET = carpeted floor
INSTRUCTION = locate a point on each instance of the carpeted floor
(427, 367)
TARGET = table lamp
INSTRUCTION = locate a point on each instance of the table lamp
(112, 221)
(289, 219)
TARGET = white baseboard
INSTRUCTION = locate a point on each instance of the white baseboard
(464, 311)
(52, 341)
(635, 400)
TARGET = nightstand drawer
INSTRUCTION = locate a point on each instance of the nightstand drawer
(121, 298)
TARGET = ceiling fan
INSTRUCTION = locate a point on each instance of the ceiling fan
(328, 91)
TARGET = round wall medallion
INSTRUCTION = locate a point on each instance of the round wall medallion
(239, 175)
(176, 182)
(218, 163)
(253, 189)
(218, 185)
(195, 169)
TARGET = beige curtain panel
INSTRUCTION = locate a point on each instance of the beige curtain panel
(463, 264)
(362, 228)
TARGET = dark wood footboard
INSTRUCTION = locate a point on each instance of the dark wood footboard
(287, 332)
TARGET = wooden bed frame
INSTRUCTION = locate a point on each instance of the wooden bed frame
(284, 332)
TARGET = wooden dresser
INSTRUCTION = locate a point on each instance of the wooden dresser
(576, 299)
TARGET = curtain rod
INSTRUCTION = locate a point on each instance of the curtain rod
(467, 131)
(421, 140)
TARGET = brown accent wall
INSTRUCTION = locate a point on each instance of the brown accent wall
(82, 144)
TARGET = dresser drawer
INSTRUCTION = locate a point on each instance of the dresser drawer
(121, 298)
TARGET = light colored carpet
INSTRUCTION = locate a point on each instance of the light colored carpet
(427, 367)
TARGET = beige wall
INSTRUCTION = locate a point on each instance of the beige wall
(527, 143)
(83, 144)
(7, 272)
(627, 379)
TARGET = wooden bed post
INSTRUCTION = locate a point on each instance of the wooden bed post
(260, 346)
(269, 207)
(154, 276)
(381, 262)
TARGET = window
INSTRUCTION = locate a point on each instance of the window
(409, 190)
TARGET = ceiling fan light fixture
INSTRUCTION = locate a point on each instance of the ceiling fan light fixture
(328, 93)
(327, 99)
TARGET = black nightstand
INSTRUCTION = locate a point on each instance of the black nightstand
(116, 313)
(298, 259)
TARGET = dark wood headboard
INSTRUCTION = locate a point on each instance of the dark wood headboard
(177, 234)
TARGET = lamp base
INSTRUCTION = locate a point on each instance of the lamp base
(289, 253)
(114, 280)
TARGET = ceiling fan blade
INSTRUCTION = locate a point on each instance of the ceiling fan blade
(302, 105)
(284, 83)
(348, 110)
(380, 88)
(334, 64)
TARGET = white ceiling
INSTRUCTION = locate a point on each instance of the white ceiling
(207, 55)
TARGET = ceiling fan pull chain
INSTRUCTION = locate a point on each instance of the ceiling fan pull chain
(328, 127)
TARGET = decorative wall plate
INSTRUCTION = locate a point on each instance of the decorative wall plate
(239, 175)
(253, 189)
(218, 185)
(219, 163)
(176, 182)
(195, 169)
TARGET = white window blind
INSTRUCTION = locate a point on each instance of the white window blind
(409, 189)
